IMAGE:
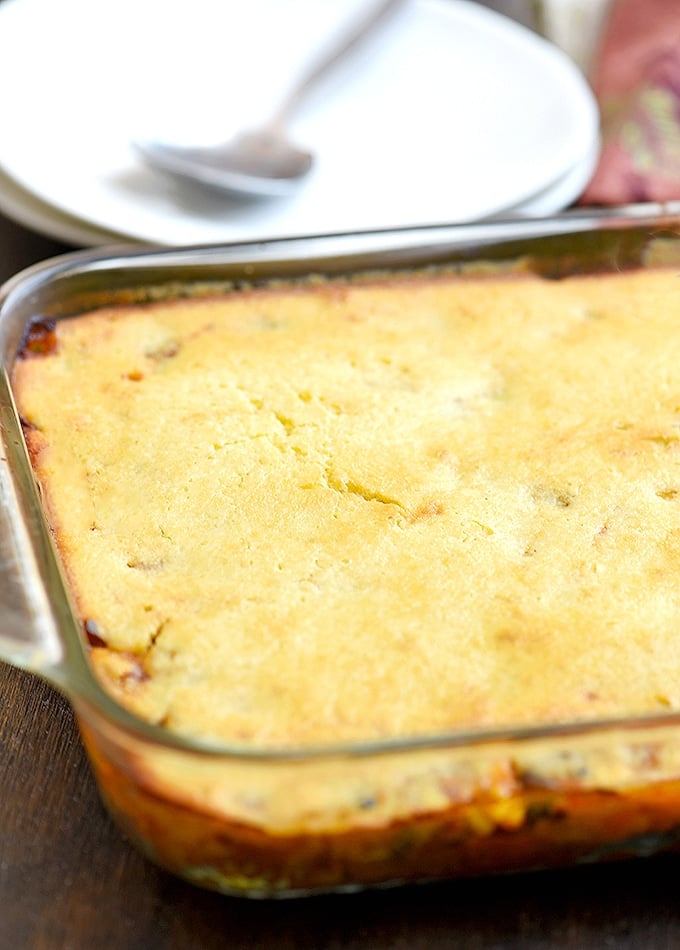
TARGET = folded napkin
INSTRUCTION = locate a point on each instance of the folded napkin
(636, 78)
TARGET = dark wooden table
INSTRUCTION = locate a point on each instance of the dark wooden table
(69, 879)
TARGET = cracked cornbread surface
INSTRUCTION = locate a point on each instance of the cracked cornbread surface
(360, 509)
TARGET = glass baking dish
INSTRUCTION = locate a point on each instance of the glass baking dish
(286, 822)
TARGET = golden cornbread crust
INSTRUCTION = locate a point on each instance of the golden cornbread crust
(366, 509)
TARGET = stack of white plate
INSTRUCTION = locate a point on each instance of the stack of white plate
(452, 113)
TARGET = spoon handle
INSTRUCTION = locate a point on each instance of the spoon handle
(342, 45)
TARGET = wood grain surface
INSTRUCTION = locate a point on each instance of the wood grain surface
(69, 879)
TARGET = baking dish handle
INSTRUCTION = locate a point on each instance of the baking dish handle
(22, 646)
(27, 635)
(28, 631)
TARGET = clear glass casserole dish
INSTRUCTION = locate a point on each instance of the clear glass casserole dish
(283, 822)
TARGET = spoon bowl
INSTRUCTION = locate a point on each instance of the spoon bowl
(260, 163)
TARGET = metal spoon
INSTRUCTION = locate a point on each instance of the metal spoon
(261, 161)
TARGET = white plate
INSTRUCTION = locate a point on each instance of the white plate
(452, 113)
(23, 207)
(561, 193)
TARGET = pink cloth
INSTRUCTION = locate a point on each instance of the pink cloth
(636, 79)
